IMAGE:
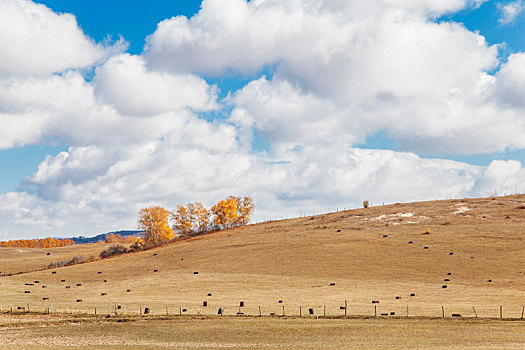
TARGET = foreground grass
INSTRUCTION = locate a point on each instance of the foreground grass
(52, 332)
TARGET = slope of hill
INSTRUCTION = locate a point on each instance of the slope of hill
(379, 254)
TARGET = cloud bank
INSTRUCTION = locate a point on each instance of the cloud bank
(325, 76)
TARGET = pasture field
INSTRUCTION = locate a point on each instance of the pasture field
(381, 254)
(248, 333)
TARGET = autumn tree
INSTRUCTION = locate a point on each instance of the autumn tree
(182, 219)
(153, 221)
(225, 213)
(245, 208)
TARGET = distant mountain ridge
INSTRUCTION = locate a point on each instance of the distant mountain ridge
(101, 237)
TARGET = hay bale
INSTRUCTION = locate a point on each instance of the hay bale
(37, 281)
(392, 313)
(146, 310)
(128, 290)
(451, 253)
(444, 286)
(311, 311)
(155, 270)
(449, 274)
(44, 286)
(338, 230)
(385, 236)
(154, 254)
(79, 284)
(489, 281)
(54, 273)
(456, 315)
(48, 253)
(67, 287)
(204, 303)
(99, 272)
(332, 284)
(102, 294)
(412, 294)
(410, 242)
(447, 280)
(105, 281)
(209, 294)
(425, 247)
(45, 298)
(62, 280)
(28, 284)
(79, 300)
(196, 272)
(280, 301)
(397, 298)
(384, 314)
(219, 312)
(241, 304)
(27, 291)
(375, 301)
(119, 307)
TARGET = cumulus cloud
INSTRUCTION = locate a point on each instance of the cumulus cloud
(37, 41)
(510, 11)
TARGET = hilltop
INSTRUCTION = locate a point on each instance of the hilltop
(384, 254)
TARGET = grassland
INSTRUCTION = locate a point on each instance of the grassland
(359, 256)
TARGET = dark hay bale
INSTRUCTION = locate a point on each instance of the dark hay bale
(48, 253)
(451, 253)
(154, 254)
(272, 313)
(79, 284)
(79, 300)
(412, 294)
(28, 284)
(105, 281)
(280, 301)
(392, 313)
(128, 290)
(219, 312)
(241, 304)
(456, 315)
(489, 281)
(449, 274)
(99, 272)
(447, 279)
(196, 273)
(44, 286)
(385, 236)
(103, 294)
(240, 313)
(410, 242)
(204, 303)
(119, 307)
(425, 247)
(37, 281)
(27, 291)
(155, 270)
(332, 284)
(375, 301)
(209, 294)
(67, 287)
(184, 310)
(181, 259)
(507, 217)
(146, 310)
(444, 286)
(521, 207)
(342, 307)
(397, 298)
(338, 230)
(20, 308)
(54, 273)
(384, 314)
(62, 280)
(45, 298)
(311, 311)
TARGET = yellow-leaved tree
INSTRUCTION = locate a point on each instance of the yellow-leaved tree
(153, 221)
(191, 219)
(225, 213)
(245, 208)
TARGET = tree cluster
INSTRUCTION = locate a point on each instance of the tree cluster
(117, 238)
(37, 243)
(193, 219)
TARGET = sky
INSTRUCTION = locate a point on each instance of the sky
(307, 106)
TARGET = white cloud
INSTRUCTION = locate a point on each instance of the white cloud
(510, 11)
(36, 41)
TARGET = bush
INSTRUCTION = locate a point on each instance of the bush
(137, 246)
(115, 249)
(77, 259)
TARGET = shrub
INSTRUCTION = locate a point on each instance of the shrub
(115, 249)
(77, 259)
(366, 204)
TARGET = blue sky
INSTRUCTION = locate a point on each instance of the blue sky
(280, 92)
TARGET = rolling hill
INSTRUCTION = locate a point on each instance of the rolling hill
(473, 257)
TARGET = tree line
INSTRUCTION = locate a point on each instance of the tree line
(37, 243)
(193, 219)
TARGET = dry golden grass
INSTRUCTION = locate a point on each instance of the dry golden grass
(248, 333)
(365, 253)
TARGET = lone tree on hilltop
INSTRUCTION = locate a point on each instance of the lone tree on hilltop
(154, 223)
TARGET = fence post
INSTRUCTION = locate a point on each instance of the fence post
(522, 310)
(443, 311)
(375, 310)
(141, 311)
(346, 307)
(283, 310)
(28, 310)
(167, 313)
(407, 310)
(301, 311)
(475, 313)
(96, 310)
(324, 312)
(180, 311)
(260, 312)
(501, 312)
